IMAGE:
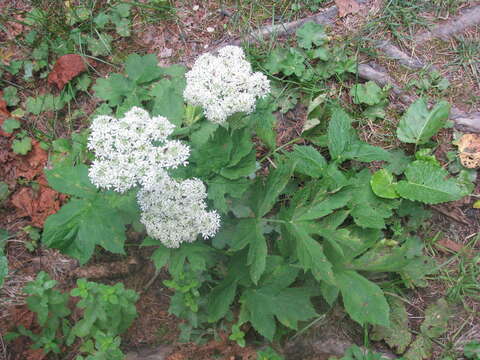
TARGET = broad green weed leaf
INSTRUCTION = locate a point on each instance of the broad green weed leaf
(436, 319)
(325, 206)
(168, 101)
(257, 252)
(275, 183)
(10, 125)
(398, 161)
(46, 102)
(10, 95)
(72, 180)
(142, 69)
(361, 151)
(368, 210)
(80, 225)
(383, 184)
(245, 167)
(430, 184)
(309, 161)
(265, 121)
(242, 146)
(288, 305)
(310, 253)
(122, 27)
(220, 299)
(213, 155)
(219, 186)
(311, 34)
(113, 89)
(275, 60)
(419, 124)
(340, 133)
(363, 300)
(420, 349)
(100, 46)
(22, 146)
(203, 134)
(369, 93)
(398, 335)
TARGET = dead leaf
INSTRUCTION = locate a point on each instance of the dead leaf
(107, 270)
(65, 69)
(346, 7)
(469, 148)
(37, 204)
(31, 165)
(449, 244)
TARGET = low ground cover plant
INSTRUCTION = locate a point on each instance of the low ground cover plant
(250, 241)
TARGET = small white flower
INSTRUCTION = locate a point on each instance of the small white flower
(175, 211)
(129, 150)
(225, 84)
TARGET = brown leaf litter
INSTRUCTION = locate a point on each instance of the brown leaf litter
(65, 69)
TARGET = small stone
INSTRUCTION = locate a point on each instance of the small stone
(196, 7)
(210, 29)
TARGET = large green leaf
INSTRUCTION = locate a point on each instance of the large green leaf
(368, 210)
(213, 155)
(72, 180)
(289, 305)
(81, 224)
(168, 100)
(257, 252)
(142, 69)
(383, 184)
(264, 122)
(311, 34)
(276, 181)
(114, 89)
(310, 252)
(369, 93)
(363, 300)
(429, 183)
(219, 187)
(309, 161)
(220, 299)
(436, 319)
(419, 124)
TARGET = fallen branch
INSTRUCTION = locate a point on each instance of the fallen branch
(466, 122)
(469, 18)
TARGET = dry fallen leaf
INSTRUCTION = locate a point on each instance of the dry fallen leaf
(469, 148)
(346, 7)
(37, 204)
(451, 245)
(65, 69)
(30, 165)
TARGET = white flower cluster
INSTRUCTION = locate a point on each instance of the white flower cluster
(130, 150)
(175, 212)
(134, 150)
(224, 84)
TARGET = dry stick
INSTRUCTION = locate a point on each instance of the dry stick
(468, 18)
(463, 121)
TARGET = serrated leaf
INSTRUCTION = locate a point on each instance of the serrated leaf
(265, 121)
(22, 146)
(322, 207)
(383, 184)
(168, 100)
(363, 300)
(72, 180)
(220, 299)
(10, 125)
(275, 183)
(257, 252)
(142, 69)
(361, 151)
(46, 102)
(245, 167)
(10, 95)
(436, 319)
(430, 184)
(309, 161)
(219, 186)
(81, 224)
(398, 161)
(420, 349)
(397, 335)
(101, 45)
(113, 89)
(369, 93)
(310, 252)
(122, 27)
(419, 124)
(368, 210)
(288, 305)
(311, 34)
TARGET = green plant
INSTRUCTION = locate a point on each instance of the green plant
(472, 350)
(107, 312)
(34, 236)
(3, 258)
(315, 224)
(356, 353)
(431, 82)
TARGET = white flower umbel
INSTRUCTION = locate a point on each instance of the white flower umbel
(175, 211)
(225, 84)
(133, 149)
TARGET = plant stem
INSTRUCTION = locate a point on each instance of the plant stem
(279, 148)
